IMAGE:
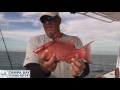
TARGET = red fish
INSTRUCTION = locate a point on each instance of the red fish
(64, 51)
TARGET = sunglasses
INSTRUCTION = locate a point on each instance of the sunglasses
(45, 19)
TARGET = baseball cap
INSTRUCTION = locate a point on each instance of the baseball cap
(49, 14)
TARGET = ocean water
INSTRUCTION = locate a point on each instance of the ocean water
(101, 63)
(16, 58)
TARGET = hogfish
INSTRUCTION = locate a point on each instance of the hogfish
(64, 51)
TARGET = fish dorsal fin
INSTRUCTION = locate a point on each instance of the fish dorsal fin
(57, 35)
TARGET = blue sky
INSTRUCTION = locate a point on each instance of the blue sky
(19, 27)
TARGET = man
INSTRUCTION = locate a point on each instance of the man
(39, 67)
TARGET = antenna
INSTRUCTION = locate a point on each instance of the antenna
(6, 50)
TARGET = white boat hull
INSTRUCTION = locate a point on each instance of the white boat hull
(110, 74)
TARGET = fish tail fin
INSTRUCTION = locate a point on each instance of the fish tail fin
(85, 52)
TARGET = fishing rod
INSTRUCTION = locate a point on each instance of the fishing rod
(6, 50)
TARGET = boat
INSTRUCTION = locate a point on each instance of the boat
(115, 73)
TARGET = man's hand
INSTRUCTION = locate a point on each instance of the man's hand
(77, 66)
(47, 66)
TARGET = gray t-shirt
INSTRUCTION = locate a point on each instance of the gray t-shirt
(63, 69)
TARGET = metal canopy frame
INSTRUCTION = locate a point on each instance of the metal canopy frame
(102, 16)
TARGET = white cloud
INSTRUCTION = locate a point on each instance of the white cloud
(25, 17)
(23, 35)
(30, 14)
(2, 17)
(4, 24)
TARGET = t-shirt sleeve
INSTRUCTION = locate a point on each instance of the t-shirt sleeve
(30, 57)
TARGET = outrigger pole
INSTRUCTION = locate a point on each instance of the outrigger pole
(6, 50)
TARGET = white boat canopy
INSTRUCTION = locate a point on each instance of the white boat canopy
(103, 16)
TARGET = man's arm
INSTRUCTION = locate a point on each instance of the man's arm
(85, 72)
(35, 71)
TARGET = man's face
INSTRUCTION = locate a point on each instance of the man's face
(51, 25)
